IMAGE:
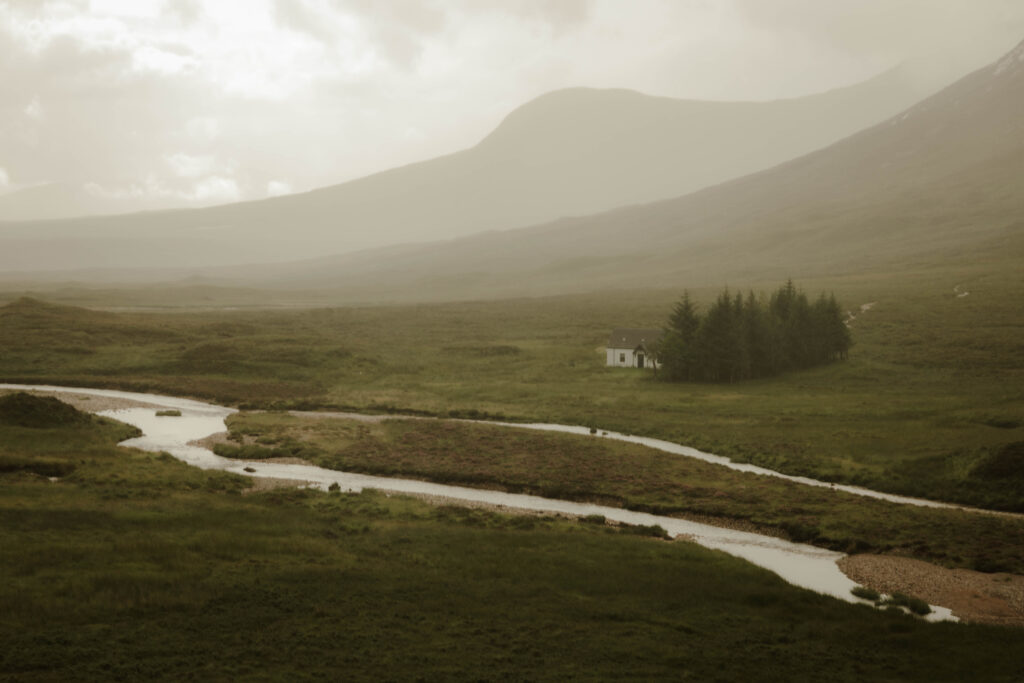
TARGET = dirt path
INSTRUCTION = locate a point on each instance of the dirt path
(973, 596)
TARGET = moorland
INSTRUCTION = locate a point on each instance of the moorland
(926, 404)
(929, 402)
(134, 565)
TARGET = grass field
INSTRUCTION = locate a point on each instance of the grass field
(614, 473)
(930, 403)
(135, 566)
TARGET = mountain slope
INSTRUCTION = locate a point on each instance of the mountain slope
(938, 183)
(61, 200)
(571, 152)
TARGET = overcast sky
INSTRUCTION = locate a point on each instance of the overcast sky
(238, 99)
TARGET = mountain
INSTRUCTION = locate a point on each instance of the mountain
(570, 152)
(939, 183)
(63, 200)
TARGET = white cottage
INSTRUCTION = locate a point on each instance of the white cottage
(632, 348)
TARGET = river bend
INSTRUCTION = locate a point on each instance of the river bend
(799, 564)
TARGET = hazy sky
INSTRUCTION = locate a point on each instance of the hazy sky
(237, 99)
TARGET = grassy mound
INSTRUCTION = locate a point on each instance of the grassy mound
(1007, 462)
(38, 412)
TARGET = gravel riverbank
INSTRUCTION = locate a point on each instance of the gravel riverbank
(973, 596)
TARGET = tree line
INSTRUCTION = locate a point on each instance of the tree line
(747, 337)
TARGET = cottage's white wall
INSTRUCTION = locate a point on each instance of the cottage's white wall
(612, 358)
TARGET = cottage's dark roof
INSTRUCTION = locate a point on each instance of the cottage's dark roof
(630, 338)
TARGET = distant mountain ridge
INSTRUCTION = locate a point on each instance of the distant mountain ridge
(571, 152)
(938, 183)
(63, 200)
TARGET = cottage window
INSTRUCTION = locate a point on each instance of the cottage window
(622, 358)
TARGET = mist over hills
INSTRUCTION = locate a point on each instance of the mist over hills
(64, 200)
(939, 183)
(570, 152)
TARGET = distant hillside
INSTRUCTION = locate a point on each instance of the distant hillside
(938, 183)
(61, 200)
(570, 152)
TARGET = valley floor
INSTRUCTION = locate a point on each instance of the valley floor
(929, 404)
(133, 565)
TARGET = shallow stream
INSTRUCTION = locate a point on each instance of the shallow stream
(801, 565)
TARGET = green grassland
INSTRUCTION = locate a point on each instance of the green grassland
(930, 402)
(594, 469)
(134, 566)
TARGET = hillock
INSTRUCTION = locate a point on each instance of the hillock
(35, 309)
(21, 409)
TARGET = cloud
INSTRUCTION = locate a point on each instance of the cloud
(5, 180)
(203, 129)
(299, 16)
(33, 109)
(185, 12)
(216, 189)
(140, 9)
(209, 190)
(276, 188)
(558, 17)
(163, 61)
(189, 166)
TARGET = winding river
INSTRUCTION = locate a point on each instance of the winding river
(801, 565)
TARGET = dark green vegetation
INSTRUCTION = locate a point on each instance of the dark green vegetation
(743, 338)
(593, 469)
(21, 409)
(136, 566)
(929, 402)
(914, 605)
(168, 413)
(866, 593)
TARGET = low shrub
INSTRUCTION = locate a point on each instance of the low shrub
(653, 530)
(256, 452)
(915, 605)
(865, 593)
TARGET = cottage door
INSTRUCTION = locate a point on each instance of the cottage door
(639, 360)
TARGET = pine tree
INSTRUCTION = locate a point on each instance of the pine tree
(741, 338)
(836, 332)
(676, 351)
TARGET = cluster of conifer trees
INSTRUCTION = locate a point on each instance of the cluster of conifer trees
(745, 337)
